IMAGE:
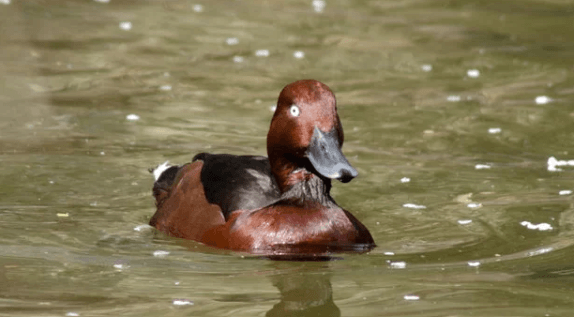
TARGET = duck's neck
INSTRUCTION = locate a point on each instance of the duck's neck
(299, 185)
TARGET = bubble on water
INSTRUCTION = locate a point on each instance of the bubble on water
(126, 26)
(540, 251)
(102, 1)
(411, 297)
(141, 228)
(161, 253)
(474, 263)
(6, 2)
(238, 59)
(464, 221)
(166, 87)
(482, 166)
(494, 130)
(414, 206)
(121, 266)
(453, 98)
(388, 253)
(405, 180)
(182, 302)
(318, 5)
(541, 226)
(426, 68)
(132, 117)
(232, 41)
(72, 314)
(565, 192)
(473, 73)
(552, 164)
(198, 8)
(474, 205)
(273, 108)
(398, 265)
(262, 53)
(298, 54)
(541, 100)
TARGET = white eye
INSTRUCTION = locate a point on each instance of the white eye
(294, 111)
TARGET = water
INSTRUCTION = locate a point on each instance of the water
(451, 111)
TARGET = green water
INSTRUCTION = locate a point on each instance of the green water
(446, 93)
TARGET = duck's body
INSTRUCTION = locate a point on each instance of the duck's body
(279, 205)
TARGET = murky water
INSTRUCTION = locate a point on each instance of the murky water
(451, 110)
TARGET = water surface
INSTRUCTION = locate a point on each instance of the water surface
(451, 112)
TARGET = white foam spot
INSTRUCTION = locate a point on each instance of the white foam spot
(166, 87)
(494, 130)
(541, 100)
(273, 108)
(182, 302)
(160, 169)
(541, 226)
(102, 153)
(473, 73)
(63, 215)
(552, 164)
(6, 2)
(539, 251)
(414, 206)
(464, 221)
(120, 266)
(453, 98)
(398, 265)
(161, 253)
(238, 59)
(198, 8)
(177, 283)
(298, 54)
(318, 5)
(262, 53)
(565, 192)
(388, 253)
(426, 68)
(51, 182)
(232, 41)
(141, 228)
(102, 1)
(126, 26)
(411, 297)
(133, 117)
(405, 180)
(482, 166)
(72, 314)
(474, 205)
(474, 263)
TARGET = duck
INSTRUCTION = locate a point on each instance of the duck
(275, 205)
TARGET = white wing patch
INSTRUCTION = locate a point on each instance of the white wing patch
(160, 169)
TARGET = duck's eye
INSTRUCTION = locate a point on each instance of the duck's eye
(294, 111)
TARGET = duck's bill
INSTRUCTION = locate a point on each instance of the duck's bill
(325, 155)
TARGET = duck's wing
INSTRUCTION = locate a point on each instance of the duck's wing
(238, 182)
(182, 208)
(198, 196)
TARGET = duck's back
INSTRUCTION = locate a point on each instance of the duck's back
(198, 196)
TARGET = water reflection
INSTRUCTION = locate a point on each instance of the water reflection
(305, 294)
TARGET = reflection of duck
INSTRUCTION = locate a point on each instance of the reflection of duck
(279, 206)
(304, 295)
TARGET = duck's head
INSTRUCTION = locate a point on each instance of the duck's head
(306, 136)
